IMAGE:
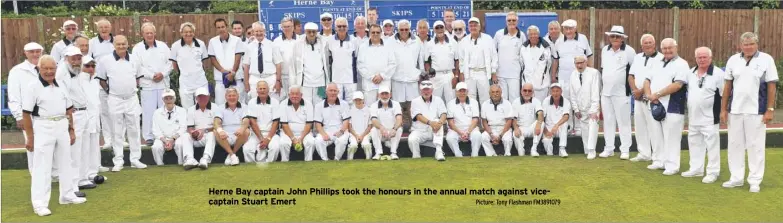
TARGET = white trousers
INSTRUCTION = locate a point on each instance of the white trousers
(308, 143)
(51, 139)
(442, 86)
(106, 121)
(187, 97)
(150, 101)
(478, 85)
(208, 142)
(486, 141)
(642, 124)
(528, 131)
(370, 96)
(589, 133)
(81, 149)
(541, 94)
(747, 133)
(179, 144)
(404, 91)
(419, 136)
(617, 112)
(311, 94)
(125, 116)
(94, 157)
(704, 140)
(393, 143)
(255, 154)
(655, 132)
(510, 87)
(220, 91)
(346, 92)
(339, 143)
(270, 82)
(672, 137)
(474, 137)
(562, 134)
(353, 142)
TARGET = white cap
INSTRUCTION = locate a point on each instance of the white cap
(168, 92)
(555, 85)
(202, 91)
(384, 89)
(388, 21)
(33, 46)
(72, 50)
(462, 85)
(425, 84)
(569, 23)
(358, 95)
(326, 15)
(474, 19)
(617, 31)
(310, 26)
(87, 59)
(70, 22)
(437, 23)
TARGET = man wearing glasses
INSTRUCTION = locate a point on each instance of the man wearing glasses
(388, 30)
(529, 120)
(441, 55)
(170, 129)
(585, 102)
(408, 52)
(285, 44)
(326, 25)
(616, 60)
(478, 61)
(71, 30)
(429, 113)
(310, 64)
(341, 51)
(508, 42)
(376, 64)
(458, 30)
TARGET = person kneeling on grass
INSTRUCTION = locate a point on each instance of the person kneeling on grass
(169, 128)
(231, 126)
(200, 126)
(331, 123)
(360, 127)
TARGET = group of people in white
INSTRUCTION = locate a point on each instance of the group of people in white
(486, 90)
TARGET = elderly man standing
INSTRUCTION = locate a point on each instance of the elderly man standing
(429, 115)
(285, 44)
(458, 30)
(360, 32)
(478, 61)
(497, 116)
(388, 30)
(751, 79)
(331, 123)
(556, 115)
(187, 56)
(555, 38)
(536, 54)
(573, 44)
(341, 52)
(326, 25)
(170, 129)
(122, 73)
(92, 154)
(703, 116)
(19, 77)
(509, 41)
(585, 102)
(463, 119)
(103, 43)
(225, 52)
(297, 117)
(643, 66)
(376, 64)
(71, 30)
(616, 60)
(410, 63)
(528, 121)
(263, 62)
(666, 87)
(442, 55)
(152, 56)
(264, 120)
(386, 118)
(310, 64)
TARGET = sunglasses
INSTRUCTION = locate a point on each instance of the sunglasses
(312, 31)
(511, 20)
(342, 26)
(326, 19)
(701, 81)
(375, 32)
(89, 66)
(527, 91)
(70, 28)
(405, 30)
(458, 30)
(615, 37)
(439, 27)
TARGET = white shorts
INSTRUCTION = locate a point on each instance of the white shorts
(404, 91)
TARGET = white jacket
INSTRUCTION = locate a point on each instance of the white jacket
(536, 60)
(19, 77)
(488, 45)
(585, 94)
(298, 66)
(376, 59)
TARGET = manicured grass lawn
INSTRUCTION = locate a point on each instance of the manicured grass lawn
(600, 190)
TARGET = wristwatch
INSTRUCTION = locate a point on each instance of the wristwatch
(771, 109)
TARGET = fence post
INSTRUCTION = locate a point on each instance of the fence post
(505, 9)
(676, 33)
(136, 24)
(230, 17)
(592, 31)
(41, 34)
(756, 17)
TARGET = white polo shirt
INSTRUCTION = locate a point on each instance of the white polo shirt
(19, 78)
(376, 59)
(270, 54)
(202, 119)
(569, 49)
(232, 119)
(749, 91)
(119, 73)
(387, 116)
(42, 99)
(432, 110)
(286, 48)
(463, 112)
(553, 112)
(341, 55)
(509, 57)
(525, 111)
(92, 88)
(410, 59)
(189, 60)
(360, 118)
(266, 112)
(478, 54)
(644, 66)
(669, 72)
(704, 96)
(554, 44)
(100, 47)
(497, 114)
(616, 66)
(296, 118)
(331, 116)
(359, 40)
(442, 55)
(224, 51)
(153, 59)
(58, 49)
(537, 61)
(168, 124)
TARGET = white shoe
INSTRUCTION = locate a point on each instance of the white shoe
(138, 165)
(77, 200)
(507, 154)
(352, 149)
(106, 146)
(709, 179)
(203, 164)
(190, 164)
(103, 169)
(691, 173)
(522, 153)
(655, 166)
(234, 160)
(439, 157)
(116, 169)
(731, 184)
(42, 211)
(670, 172)
(125, 144)
(563, 153)
(639, 159)
(606, 153)
(55, 179)
(624, 156)
(533, 153)
(755, 188)
(591, 155)
(376, 157)
(394, 156)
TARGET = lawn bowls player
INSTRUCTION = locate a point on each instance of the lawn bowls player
(666, 86)
(372, 16)
(641, 68)
(478, 61)
(554, 38)
(91, 86)
(429, 115)
(120, 71)
(169, 127)
(225, 51)
(529, 120)
(263, 113)
(187, 56)
(341, 51)
(326, 25)
(152, 55)
(497, 116)
(536, 54)
(19, 77)
(285, 44)
(509, 41)
(387, 124)
(458, 30)
(103, 43)
(310, 64)
(751, 79)
(573, 44)
(201, 130)
(361, 33)
(297, 120)
(410, 64)
(236, 30)
(463, 118)
(704, 97)
(70, 31)
(83, 43)
(376, 64)
(264, 62)
(423, 32)
(442, 56)
(331, 123)
(51, 135)
(388, 30)
(231, 126)
(556, 115)
(360, 127)
(448, 20)
(585, 102)
(616, 60)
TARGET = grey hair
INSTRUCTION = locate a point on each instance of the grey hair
(533, 28)
(102, 21)
(423, 21)
(341, 19)
(293, 89)
(703, 49)
(149, 24)
(645, 36)
(458, 21)
(512, 13)
(554, 23)
(232, 88)
(668, 41)
(187, 24)
(359, 18)
(46, 57)
(286, 19)
(258, 24)
(403, 22)
(578, 57)
(749, 36)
